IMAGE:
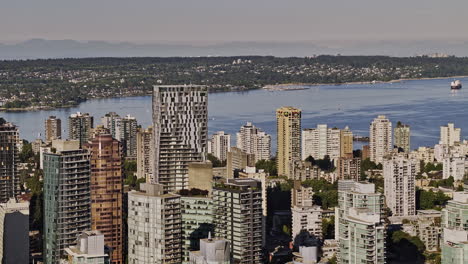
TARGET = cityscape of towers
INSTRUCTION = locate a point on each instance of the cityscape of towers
(168, 215)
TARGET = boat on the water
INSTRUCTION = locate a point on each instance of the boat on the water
(456, 85)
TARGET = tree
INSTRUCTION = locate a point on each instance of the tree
(328, 227)
(430, 200)
(26, 152)
(407, 247)
(215, 161)
(268, 166)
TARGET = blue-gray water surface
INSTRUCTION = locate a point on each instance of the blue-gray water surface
(423, 104)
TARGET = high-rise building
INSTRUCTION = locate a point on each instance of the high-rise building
(300, 195)
(449, 135)
(237, 207)
(288, 127)
(252, 140)
(88, 250)
(213, 251)
(380, 138)
(154, 226)
(322, 141)
(79, 127)
(67, 211)
(399, 173)
(454, 243)
(359, 224)
(307, 218)
(9, 177)
(402, 137)
(180, 123)
(106, 192)
(349, 168)
(220, 145)
(111, 122)
(128, 136)
(98, 130)
(53, 128)
(454, 165)
(145, 154)
(238, 160)
(14, 232)
(346, 143)
(197, 221)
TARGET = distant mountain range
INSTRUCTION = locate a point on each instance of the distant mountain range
(41, 48)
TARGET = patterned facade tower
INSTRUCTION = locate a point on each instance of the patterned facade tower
(180, 127)
(106, 192)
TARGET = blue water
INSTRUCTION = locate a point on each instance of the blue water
(423, 104)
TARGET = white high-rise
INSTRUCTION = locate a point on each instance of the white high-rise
(399, 184)
(180, 128)
(380, 138)
(449, 135)
(154, 226)
(220, 145)
(308, 218)
(321, 141)
(252, 140)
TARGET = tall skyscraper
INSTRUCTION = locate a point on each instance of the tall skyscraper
(107, 191)
(288, 126)
(402, 137)
(80, 127)
(349, 169)
(145, 153)
(128, 136)
(180, 123)
(400, 184)
(67, 199)
(154, 226)
(252, 140)
(238, 218)
(53, 128)
(220, 145)
(455, 230)
(380, 137)
(111, 122)
(449, 135)
(359, 224)
(346, 143)
(9, 177)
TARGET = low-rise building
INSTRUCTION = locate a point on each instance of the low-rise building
(212, 251)
(89, 249)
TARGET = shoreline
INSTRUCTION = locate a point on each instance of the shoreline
(363, 82)
(271, 87)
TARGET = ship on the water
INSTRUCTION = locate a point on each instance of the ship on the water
(456, 85)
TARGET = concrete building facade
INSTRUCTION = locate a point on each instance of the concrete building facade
(238, 218)
(154, 226)
(252, 140)
(449, 135)
(67, 199)
(180, 127)
(399, 173)
(144, 154)
(288, 126)
(80, 126)
(88, 250)
(14, 232)
(380, 138)
(9, 158)
(220, 145)
(455, 230)
(212, 251)
(402, 136)
(53, 128)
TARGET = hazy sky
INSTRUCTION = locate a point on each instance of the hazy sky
(233, 20)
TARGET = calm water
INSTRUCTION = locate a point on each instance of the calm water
(423, 104)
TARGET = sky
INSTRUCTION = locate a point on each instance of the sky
(215, 21)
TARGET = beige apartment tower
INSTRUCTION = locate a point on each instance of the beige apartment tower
(53, 128)
(288, 124)
(106, 192)
(402, 137)
(144, 154)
